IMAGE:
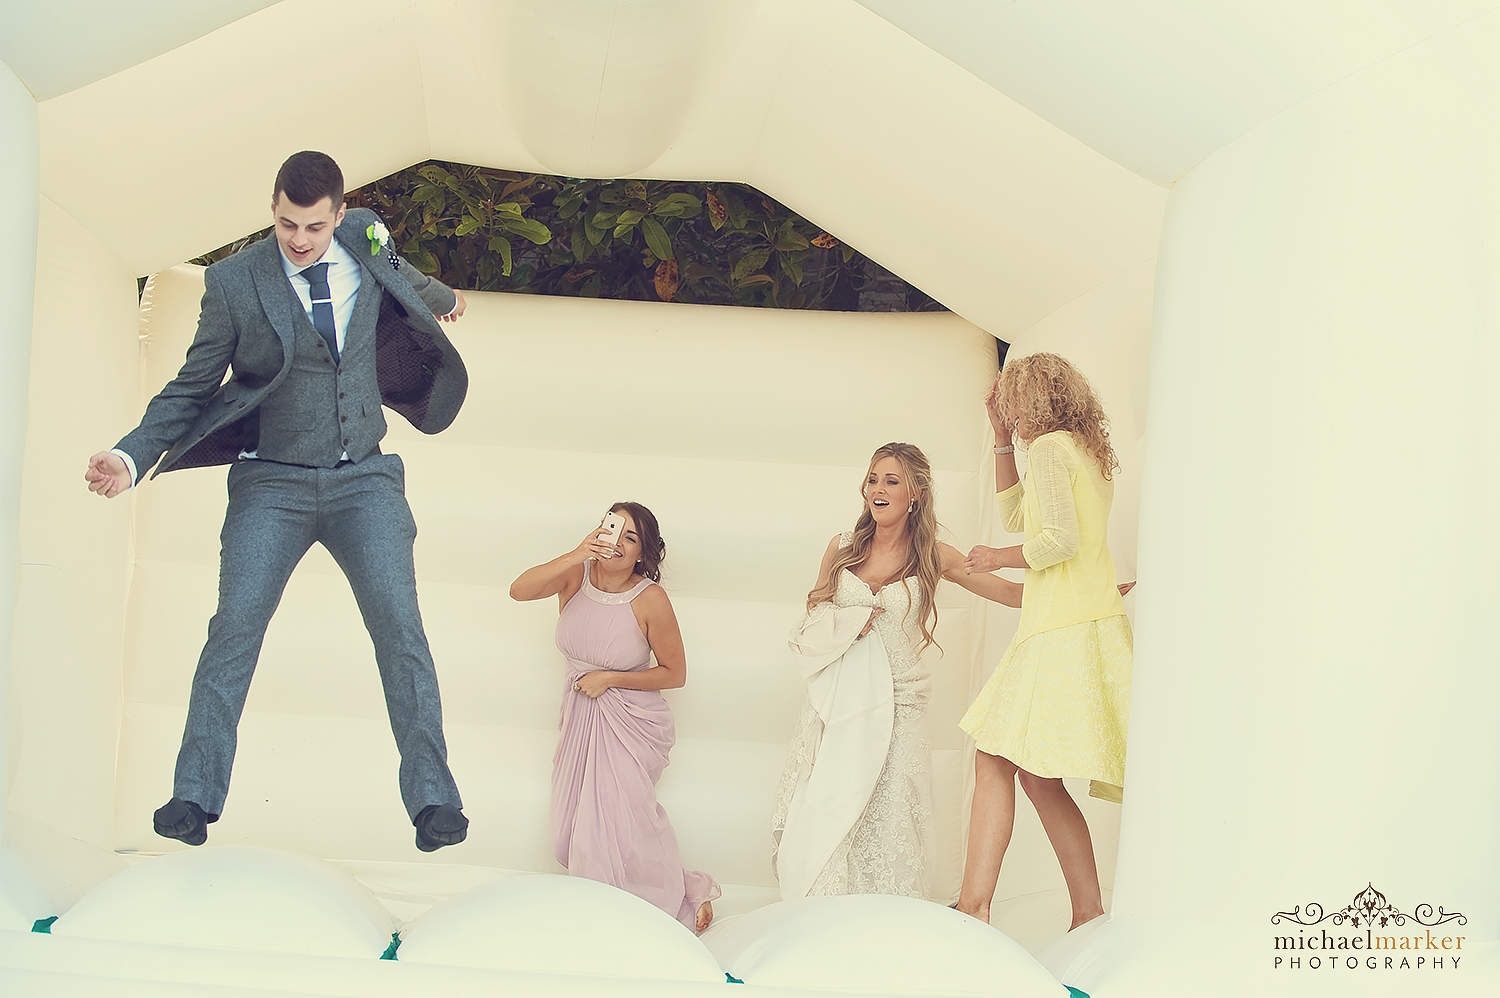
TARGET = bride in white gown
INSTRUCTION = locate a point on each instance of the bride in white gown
(854, 806)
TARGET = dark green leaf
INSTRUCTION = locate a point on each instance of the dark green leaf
(594, 232)
(526, 228)
(630, 217)
(790, 239)
(755, 279)
(679, 205)
(749, 263)
(738, 216)
(656, 238)
(518, 185)
(579, 243)
(501, 245)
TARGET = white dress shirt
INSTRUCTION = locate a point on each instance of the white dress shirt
(344, 274)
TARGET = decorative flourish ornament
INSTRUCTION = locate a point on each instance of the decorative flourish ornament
(1369, 908)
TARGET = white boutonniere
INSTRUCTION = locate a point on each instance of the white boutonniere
(379, 237)
(378, 234)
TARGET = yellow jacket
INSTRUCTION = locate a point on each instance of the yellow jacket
(1063, 506)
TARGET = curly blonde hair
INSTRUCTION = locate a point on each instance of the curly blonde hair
(1042, 392)
(923, 560)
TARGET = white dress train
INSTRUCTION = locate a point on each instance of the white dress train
(820, 843)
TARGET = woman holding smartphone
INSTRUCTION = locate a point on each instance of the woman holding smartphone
(616, 727)
(1056, 704)
(854, 806)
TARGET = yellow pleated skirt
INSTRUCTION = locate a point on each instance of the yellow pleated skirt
(1058, 702)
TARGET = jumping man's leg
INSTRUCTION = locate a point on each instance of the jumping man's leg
(268, 527)
(367, 526)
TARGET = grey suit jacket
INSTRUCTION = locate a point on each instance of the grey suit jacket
(248, 323)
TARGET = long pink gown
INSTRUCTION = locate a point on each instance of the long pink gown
(606, 823)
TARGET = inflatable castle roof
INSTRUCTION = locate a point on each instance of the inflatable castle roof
(1005, 157)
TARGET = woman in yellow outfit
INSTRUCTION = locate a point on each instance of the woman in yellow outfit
(1056, 704)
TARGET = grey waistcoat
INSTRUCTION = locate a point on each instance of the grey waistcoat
(319, 411)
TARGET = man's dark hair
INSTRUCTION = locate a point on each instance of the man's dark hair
(307, 177)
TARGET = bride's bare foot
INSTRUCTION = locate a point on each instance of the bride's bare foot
(1085, 918)
(981, 913)
(705, 915)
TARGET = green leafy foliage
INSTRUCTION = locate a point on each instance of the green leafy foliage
(706, 243)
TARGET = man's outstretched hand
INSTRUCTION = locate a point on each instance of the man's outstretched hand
(107, 474)
(460, 305)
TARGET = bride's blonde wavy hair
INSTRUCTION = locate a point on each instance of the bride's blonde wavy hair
(921, 532)
(1042, 392)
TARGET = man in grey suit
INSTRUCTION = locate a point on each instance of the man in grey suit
(321, 324)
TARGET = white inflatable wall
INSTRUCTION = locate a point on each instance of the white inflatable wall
(746, 431)
(18, 173)
(1314, 690)
(75, 575)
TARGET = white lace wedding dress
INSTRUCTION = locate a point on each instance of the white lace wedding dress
(888, 849)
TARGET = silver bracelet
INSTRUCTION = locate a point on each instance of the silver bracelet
(1007, 449)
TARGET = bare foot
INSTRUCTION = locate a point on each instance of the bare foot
(983, 914)
(705, 915)
(1085, 918)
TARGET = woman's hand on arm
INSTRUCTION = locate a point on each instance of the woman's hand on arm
(564, 571)
(980, 583)
(987, 559)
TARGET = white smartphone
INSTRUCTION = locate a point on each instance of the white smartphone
(610, 528)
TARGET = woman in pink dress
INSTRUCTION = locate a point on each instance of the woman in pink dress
(616, 727)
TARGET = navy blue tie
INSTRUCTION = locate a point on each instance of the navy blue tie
(322, 306)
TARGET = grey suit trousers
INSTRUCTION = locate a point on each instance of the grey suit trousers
(360, 514)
